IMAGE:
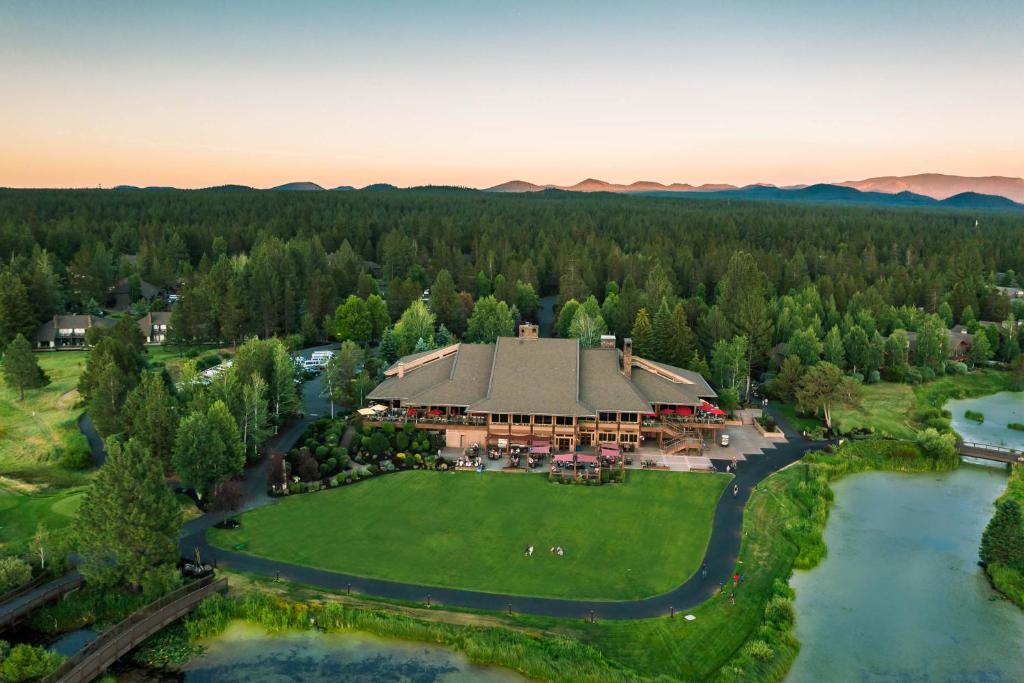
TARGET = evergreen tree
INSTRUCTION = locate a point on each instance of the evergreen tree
(642, 334)
(805, 345)
(661, 333)
(743, 296)
(896, 357)
(208, 446)
(388, 346)
(20, 369)
(698, 364)
(104, 386)
(129, 520)
(378, 312)
(1002, 542)
(682, 342)
(16, 316)
(932, 344)
(445, 304)
(151, 417)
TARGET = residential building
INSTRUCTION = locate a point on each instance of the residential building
(122, 296)
(155, 326)
(66, 332)
(524, 389)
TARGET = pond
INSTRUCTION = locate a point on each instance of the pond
(900, 596)
(247, 653)
(999, 410)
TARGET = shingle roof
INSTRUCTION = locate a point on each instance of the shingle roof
(467, 381)
(48, 330)
(540, 376)
(537, 376)
(603, 387)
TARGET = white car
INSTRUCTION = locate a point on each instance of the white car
(724, 441)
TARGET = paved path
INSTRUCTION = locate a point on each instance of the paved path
(720, 557)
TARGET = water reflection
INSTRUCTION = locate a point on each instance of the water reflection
(247, 653)
(900, 596)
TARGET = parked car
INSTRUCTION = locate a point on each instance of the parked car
(724, 441)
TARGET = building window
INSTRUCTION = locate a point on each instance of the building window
(499, 418)
(628, 417)
(564, 420)
(606, 436)
(520, 419)
(606, 417)
(628, 437)
(541, 419)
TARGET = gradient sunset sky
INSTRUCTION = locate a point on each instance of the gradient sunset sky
(194, 94)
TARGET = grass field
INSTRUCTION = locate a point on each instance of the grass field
(20, 513)
(469, 531)
(30, 429)
(887, 408)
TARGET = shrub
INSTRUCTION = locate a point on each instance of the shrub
(28, 662)
(938, 446)
(401, 441)
(875, 377)
(322, 452)
(974, 416)
(76, 455)
(378, 443)
(927, 374)
(857, 377)
(912, 376)
(758, 649)
(275, 469)
(14, 572)
(1016, 426)
(308, 469)
(956, 368)
(780, 610)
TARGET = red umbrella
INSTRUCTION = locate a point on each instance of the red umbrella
(685, 410)
(411, 412)
(434, 411)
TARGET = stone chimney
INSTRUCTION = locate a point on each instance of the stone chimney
(401, 370)
(607, 341)
(627, 357)
(529, 331)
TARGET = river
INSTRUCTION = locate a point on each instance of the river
(247, 653)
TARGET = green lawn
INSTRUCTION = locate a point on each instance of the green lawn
(47, 417)
(469, 531)
(20, 513)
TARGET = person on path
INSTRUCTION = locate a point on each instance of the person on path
(732, 598)
(735, 490)
(735, 579)
(704, 572)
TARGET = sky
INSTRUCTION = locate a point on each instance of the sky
(194, 94)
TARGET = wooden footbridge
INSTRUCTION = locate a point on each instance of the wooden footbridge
(990, 452)
(21, 602)
(96, 657)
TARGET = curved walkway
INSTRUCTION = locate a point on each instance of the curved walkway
(720, 556)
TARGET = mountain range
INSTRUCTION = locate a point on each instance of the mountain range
(926, 189)
(934, 185)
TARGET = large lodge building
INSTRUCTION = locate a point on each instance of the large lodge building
(524, 389)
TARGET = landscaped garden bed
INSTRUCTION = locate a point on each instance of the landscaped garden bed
(321, 461)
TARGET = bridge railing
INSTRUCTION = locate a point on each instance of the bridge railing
(51, 590)
(94, 658)
(991, 447)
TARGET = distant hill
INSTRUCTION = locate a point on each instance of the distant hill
(228, 188)
(135, 188)
(515, 186)
(344, 188)
(841, 194)
(304, 186)
(974, 200)
(941, 186)
(377, 187)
